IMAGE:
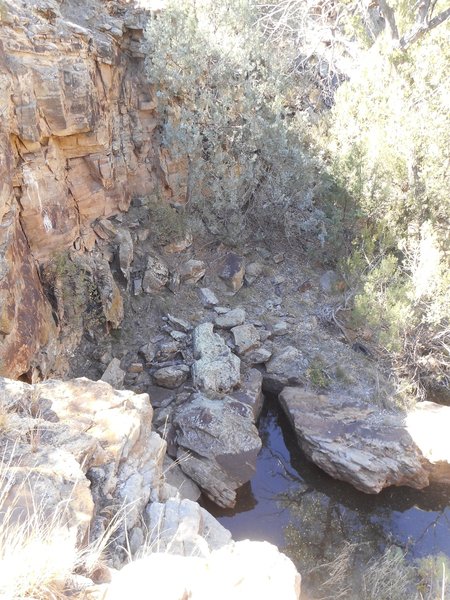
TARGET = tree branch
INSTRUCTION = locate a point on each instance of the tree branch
(389, 15)
(423, 27)
(422, 13)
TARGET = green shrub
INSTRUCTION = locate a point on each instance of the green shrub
(390, 148)
(73, 293)
(225, 99)
(167, 223)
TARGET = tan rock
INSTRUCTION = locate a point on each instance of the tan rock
(192, 271)
(156, 275)
(238, 571)
(232, 271)
(76, 143)
(179, 245)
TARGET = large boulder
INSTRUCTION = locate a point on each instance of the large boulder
(42, 485)
(84, 443)
(287, 366)
(369, 447)
(128, 457)
(217, 445)
(216, 368)
(238, 571)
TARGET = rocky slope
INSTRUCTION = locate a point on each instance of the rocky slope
(88, 245)
(78, 140)
(79, 457)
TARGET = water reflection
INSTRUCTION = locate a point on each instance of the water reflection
(296, 506)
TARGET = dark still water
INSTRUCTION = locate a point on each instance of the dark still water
(312, 517)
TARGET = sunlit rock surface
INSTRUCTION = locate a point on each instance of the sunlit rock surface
(369, 447)
(238, 571)
(77, 141)
(88, 437)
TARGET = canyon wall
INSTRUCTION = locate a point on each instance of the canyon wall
(78, 141)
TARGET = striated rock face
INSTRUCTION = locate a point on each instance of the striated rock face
(77, 142)
(368, 447)
(87, 443)
(183, 527)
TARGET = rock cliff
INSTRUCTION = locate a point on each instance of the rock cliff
(78, 141)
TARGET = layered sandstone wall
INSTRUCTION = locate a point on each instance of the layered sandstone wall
(78, 140)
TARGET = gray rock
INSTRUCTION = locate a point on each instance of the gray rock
(246, 337)
(192, 271)
(278, 258)
(181, 526)
(156, 275)
(171, 377)
(280, 328)
(174, 282)
(159, 396)
(179, 324)
(369, 447)
(216, 368)
(178, 336)
(174, 476)
(328, 281)
(250, 392)
(167, 350)
(137, 285)
(264, 335)
(224, 442)
(221, 310)
(113, 374)
(230, 319)
(252, 272)
(232, 271)
(278, 279)
(286, 367)
(208, 297)
(258, 356)
(136, 540)
(126, 251)
(148, 351)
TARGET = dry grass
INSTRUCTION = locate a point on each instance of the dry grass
(390, 578)
(39, 551)
(338, 584)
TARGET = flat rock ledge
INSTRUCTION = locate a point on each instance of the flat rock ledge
(368, 447)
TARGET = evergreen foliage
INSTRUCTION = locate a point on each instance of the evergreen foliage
(224, 95)
(390, 143)
(244, 89)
